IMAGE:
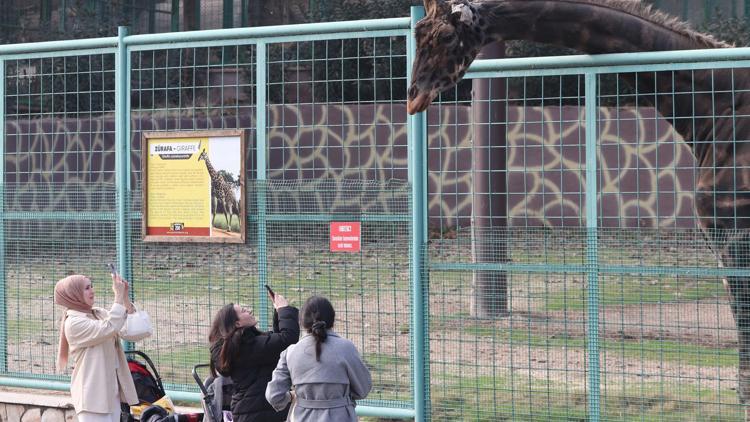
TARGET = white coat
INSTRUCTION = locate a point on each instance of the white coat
(100, 367)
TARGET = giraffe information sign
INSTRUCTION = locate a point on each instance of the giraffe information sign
(193, 186)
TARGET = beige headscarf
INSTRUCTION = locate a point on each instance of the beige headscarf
(69, 294)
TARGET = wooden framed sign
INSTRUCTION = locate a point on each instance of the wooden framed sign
(194, 186)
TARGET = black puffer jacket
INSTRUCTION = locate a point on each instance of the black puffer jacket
(254, 365)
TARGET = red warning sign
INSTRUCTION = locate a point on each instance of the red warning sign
(345, 237)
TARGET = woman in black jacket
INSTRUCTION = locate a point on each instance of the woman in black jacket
(247, 355)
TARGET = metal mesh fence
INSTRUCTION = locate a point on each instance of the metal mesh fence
(529, 314)
(317, 139)
(60, 197)
(667, 339)
(42, 246)
(336, 109)
(183, 285)
(513, 280)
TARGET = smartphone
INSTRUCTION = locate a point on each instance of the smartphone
(270, 292)
(112, 268)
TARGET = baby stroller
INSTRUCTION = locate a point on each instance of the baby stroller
(217, 396)
(148, 386)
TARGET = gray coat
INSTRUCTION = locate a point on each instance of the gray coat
(325, 390)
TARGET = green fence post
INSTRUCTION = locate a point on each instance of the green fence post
(191, 11)
(151, 17)
(175, 16)
(3, 308)
(122, 153)
(63, 12)
(46, 12)
(417, 167)
(227, 20)
(244, 21)
(260, 169)
(592, 255)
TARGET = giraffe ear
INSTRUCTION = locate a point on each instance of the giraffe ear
(463, 13)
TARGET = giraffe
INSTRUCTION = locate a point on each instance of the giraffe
(710, 109)
(221, 193)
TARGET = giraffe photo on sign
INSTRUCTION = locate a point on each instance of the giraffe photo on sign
(193, 186)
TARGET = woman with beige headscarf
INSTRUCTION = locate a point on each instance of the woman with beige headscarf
(91, 337)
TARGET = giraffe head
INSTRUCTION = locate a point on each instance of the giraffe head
(448, 39)
(203, 155)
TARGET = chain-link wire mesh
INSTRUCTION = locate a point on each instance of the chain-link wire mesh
(60, 197)
(43, 244)
(183, 285)
(514, 278)
(317, 139)
(511, 275)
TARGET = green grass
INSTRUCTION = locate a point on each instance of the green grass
(631, 291)
(643, 349)
(177, 289)
(383, 362)
(455, 396)
(174, 365)
(220, 222)
(24, 329)
(13, 291)
(568, 292)
(391, 376)
(671, 351)
(504, 398)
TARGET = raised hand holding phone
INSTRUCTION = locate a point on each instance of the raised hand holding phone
(120, 283)
(120, 289)
(270, 292)
(279, 301)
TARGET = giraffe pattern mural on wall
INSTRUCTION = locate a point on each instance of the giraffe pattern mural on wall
(43, 154)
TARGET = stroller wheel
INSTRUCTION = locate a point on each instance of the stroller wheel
(154, 414)
(125, 415)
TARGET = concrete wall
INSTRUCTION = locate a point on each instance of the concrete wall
(36, 407)
(646, 170)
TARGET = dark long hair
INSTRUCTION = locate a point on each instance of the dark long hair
(224, 329)
(318, 316)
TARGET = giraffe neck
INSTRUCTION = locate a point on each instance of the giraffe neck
(210, 168)
(622, 27)
(588, 26)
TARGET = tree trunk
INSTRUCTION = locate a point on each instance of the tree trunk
(489, 298)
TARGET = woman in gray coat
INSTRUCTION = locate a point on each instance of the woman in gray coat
(326, 371)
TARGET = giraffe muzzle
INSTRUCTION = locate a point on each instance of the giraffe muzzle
(419, 103)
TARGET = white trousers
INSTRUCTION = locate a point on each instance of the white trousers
(99, 417)
(102, 417)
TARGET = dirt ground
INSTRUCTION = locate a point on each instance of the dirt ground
(531, 346)
(707, 323)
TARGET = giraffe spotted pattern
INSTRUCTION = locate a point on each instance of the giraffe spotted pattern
(222, 194)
